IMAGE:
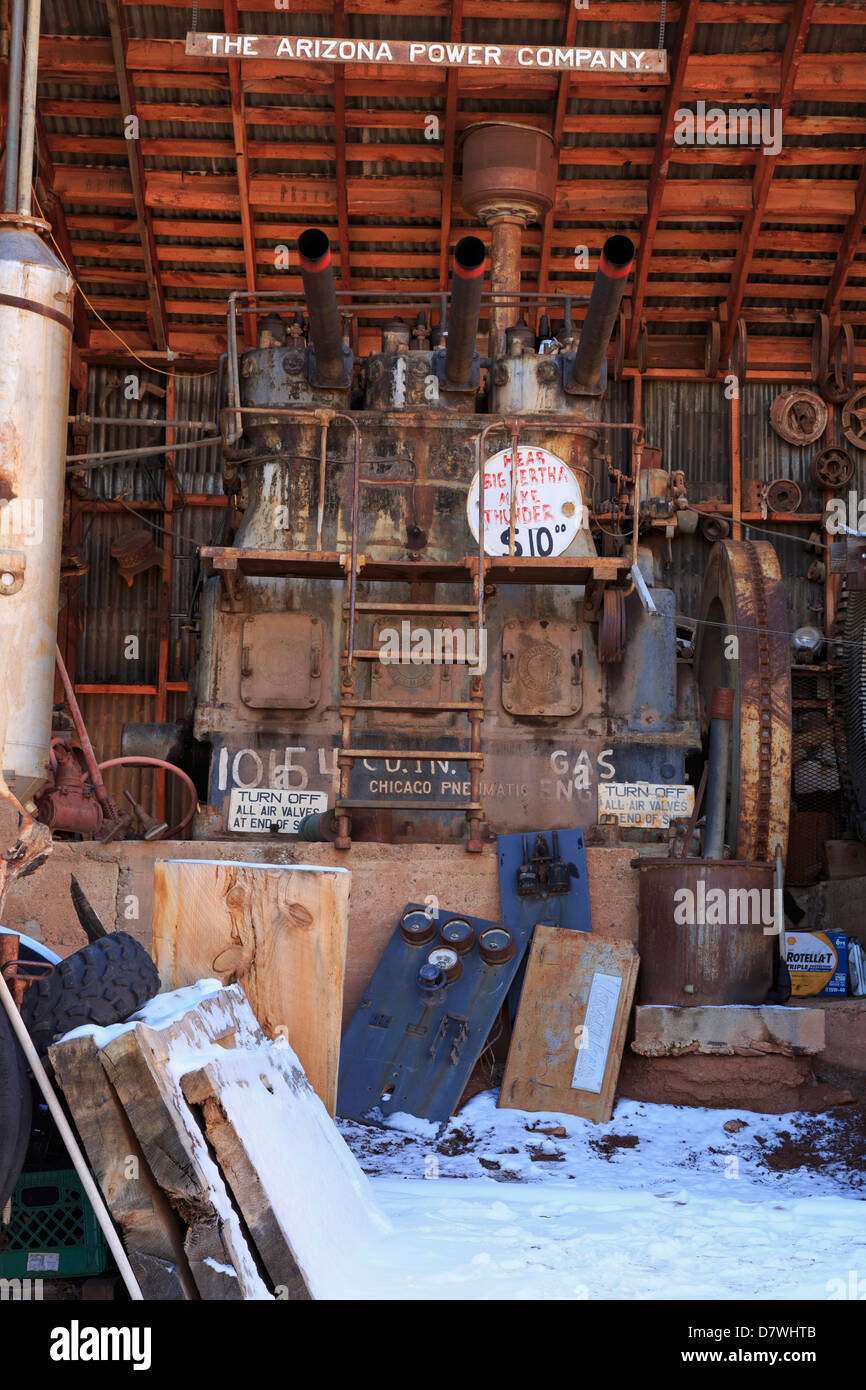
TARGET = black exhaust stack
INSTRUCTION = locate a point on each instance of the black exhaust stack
(467, 282)
(314, 251)
(617, 258)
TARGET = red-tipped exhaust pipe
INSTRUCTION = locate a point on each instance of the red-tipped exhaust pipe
(617, 258)
(314, 252)
(467, 282)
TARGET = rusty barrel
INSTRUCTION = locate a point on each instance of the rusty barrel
(705, 931)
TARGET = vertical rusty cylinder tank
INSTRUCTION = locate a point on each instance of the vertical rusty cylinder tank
(509, 175)
(585, 371)
(36, 334)
(466, 284)
(706, 931)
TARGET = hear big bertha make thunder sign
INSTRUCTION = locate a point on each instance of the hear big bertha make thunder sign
(427, 55)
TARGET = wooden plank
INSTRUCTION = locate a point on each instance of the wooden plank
(308, 1207)
(279, 930)
(567, 973)
(141, 1063)
(150, 1229)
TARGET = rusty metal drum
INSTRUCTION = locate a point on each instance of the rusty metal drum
(706, 931)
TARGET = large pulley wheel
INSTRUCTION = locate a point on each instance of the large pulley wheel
(743, 644)
(851, 701)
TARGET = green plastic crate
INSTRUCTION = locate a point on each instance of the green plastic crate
(52, 1233)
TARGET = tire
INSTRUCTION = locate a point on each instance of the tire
(103, 983)
(15, 1109)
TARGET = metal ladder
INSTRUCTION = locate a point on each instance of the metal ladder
(468, 571)
(351, 703)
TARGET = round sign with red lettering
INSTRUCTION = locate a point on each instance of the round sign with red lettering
(547, 504)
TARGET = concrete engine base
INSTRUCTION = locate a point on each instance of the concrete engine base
(118, 879)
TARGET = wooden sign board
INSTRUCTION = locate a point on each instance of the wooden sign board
(293, 49)
(279, 930)
(568, 1038)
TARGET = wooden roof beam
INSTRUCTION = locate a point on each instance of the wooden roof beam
(798, 28)
(558, 126)
(661, 163)
(449, 145)
(53, 210)
(156, 302)
(847, 250)
(242, 167)
(340, 151)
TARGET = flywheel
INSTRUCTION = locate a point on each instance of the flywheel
(743, 643)
(851, 701)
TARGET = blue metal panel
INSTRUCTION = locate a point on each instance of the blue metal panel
(410, 1050)
(564, 909)
(558, 909)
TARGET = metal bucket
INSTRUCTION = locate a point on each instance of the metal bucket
(705, 932)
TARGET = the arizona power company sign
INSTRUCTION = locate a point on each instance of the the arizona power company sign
(426, 55)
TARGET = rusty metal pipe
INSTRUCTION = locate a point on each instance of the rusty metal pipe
(13, 117)
(317, 272)
(721, 713)
(467, 280)
(28, 109)
(99, 788)
(617, 257)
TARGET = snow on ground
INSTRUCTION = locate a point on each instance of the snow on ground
(660, 1203)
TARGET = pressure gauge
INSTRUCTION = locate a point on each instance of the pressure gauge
(416, 928)
(459, 934)
(447, 960)
(496, 945)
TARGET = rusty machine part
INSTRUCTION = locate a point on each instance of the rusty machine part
(739, 359)
(724, 954)
(612, 626)
(783, 495)
(136, 552)
(854, 419)
(798, 417)
(837, 384)
(584, 372)
(715, 528)
(67, 802)
(509, 177)
(743, 642)
(831, 469)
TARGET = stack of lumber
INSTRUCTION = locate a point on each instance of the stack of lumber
(219, 1163)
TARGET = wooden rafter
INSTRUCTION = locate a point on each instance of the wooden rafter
(119, 45)
(847, 250)
(568, 37)
(53, 209)
(451, 91)
(798, 28)
(242, 165)
(661, 163)
(340, 151)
